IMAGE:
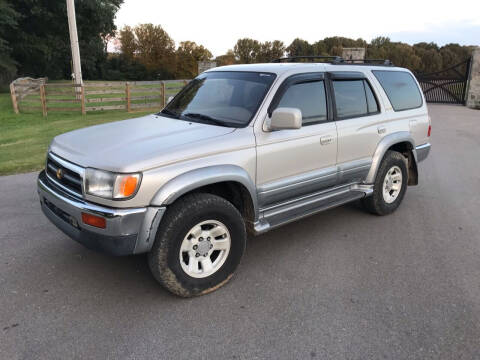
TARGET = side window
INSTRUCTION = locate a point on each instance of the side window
(350, 98)
(371, 101)
(310, 98)
(401, 89)
(354, 98)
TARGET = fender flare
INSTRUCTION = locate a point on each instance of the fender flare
(197, 178)
(383, 146)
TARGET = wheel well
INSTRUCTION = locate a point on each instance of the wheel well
(235, 193)
(406, 149)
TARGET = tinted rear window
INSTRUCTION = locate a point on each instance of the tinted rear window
(401, 89)
(350, 98)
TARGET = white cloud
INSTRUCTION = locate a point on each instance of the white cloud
(218, 24)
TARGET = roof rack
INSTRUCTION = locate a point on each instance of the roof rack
(337, 60)
(379, 62)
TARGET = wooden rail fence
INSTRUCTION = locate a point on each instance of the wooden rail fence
(94, 96)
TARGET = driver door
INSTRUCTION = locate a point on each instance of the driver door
(292, 163)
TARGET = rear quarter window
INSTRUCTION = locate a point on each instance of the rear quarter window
(401, 89)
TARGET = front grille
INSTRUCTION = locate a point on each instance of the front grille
(64, 176)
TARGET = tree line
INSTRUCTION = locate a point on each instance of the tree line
(150, 46)
(34, 41)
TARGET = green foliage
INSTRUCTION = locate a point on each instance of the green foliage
(41, 43)
(421, 58)
(151, 51)
(300, 47)
(188, 55)
(227, 59)
(8, 23)
(246, 50)
(270, 51)
(155, 50)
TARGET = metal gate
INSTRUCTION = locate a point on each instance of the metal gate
(447, 86)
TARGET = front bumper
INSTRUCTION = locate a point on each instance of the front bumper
(127, 231)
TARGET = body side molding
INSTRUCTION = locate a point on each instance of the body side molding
(383, 146)
(194, 179)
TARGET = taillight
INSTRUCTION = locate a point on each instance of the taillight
(429, 130)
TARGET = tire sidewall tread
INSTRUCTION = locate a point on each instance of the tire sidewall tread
(180, 217)
(375, 203)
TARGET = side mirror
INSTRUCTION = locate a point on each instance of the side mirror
(286, 118)
(170, 98)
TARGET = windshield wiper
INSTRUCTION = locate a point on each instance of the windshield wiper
(205, 118)
(170, 112)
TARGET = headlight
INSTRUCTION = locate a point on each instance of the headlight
(110, 185)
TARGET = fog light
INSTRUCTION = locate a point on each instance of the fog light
(93, 220)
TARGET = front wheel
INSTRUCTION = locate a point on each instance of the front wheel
(390, 185)
(198, 246)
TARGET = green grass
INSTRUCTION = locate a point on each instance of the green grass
(24, 138)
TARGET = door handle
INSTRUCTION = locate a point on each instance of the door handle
(382, 130)
(326, 140)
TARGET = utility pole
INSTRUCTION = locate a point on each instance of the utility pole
(77, 66)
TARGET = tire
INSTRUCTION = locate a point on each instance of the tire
(384, 201)
(174, 262)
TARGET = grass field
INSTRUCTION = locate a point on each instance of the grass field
(24, 138)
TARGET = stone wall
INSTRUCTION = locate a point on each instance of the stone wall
(205, 65)
(473, 94)
(353, 53)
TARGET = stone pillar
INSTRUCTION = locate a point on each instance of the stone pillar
(205, 65)
(473, 92)
(353, 53)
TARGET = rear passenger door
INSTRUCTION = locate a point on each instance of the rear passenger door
(360, 124)
(292, 163)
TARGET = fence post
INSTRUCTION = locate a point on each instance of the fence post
(185, 82)
(43, 99)
(127, 92)
(164, 99)
(82, 99)
(14, 98)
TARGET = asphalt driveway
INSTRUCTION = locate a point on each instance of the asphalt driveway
(339, 285)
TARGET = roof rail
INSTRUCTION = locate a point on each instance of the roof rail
(335, 59)
(338, 60)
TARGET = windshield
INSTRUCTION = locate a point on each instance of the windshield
(225, 98)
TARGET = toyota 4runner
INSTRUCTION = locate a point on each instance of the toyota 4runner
(241, 149)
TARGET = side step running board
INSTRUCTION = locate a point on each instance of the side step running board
(282, 214)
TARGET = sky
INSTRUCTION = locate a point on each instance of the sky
(217, 25)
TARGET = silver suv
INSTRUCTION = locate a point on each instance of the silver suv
(242, 148)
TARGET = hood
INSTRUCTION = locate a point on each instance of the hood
(133, 145)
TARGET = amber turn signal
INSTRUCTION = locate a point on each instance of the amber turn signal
(93, 220)
(127, 186)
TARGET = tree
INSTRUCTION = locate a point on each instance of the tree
(8, 23)
(226, 59)
(246, 50)
(269, 51)
(300, 47)
(430, 58)
(155, 50)
(128, 43)
(188, 55)
(41, 43)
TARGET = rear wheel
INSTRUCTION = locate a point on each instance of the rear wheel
(390, 185)
(198, 246)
